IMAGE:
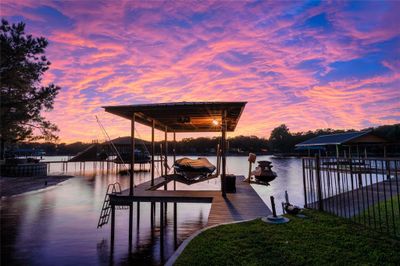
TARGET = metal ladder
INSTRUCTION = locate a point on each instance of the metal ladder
(112, 189)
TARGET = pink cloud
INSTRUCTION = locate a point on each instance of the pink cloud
(128, 52)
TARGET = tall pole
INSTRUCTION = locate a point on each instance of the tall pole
(133, 155)
(161, 160)
(130, 236)
(174, 152)
(112, 226)
(166, 151)
(166, 155)
(153, 151)
(223, 148)
(131, 181)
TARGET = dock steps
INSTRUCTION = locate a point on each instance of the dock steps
(112, 189)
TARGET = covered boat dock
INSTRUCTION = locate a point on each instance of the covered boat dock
(186, 117)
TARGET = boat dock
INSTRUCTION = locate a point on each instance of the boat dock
(245, 204)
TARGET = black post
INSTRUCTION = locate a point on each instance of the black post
(273, 206)
(152, 216)
(161, 160)
(112, 226)
(2, 149)
(138, 215)
(153, 149)
(175, 226)
(318, 176)
(130, 226)
(304, 184)
(161, 221)
(133, 155)
(174, 153)
(166, 155)
(223, 147)
(162, 231)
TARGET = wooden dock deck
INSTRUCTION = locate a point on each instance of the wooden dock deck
(245, 204)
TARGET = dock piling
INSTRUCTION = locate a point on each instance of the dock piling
(112, 227)
(130, 226)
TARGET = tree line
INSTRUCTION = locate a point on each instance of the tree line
(281, 141)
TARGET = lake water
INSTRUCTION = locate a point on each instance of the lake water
(58, 226)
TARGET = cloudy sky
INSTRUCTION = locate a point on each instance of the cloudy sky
(308, 64)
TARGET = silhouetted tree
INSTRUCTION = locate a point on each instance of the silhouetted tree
(23, 98)
(280, 139)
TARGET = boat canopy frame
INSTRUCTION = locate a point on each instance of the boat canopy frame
(181, 117)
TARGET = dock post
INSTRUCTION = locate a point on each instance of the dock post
(112, 226)
(161, 160)
(304, 183)
(218, 159)
(165, 213)
(161, 227)
(273, 206)
(138, 215)
(131, 181)
(166, 155)
(152, 216)
(130, 226)
(223, 147)
(162, 232)
(174, 158)
(318, 176)
(175, 226)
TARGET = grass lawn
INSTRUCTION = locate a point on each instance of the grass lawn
(317, 240)
(384, 219)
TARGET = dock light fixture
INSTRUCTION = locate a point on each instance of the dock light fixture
(183, 119)
(215, 122)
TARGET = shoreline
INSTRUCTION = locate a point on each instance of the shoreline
(13, 186)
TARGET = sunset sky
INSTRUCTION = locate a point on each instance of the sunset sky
(308, 64)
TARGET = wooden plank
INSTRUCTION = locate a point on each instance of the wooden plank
(245, 204)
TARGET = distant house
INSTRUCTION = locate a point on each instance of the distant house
(348, 143)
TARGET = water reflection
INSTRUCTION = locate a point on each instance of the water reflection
(58, 226)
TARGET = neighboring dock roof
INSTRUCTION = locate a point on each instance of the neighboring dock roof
(183, 116)
(349, 138)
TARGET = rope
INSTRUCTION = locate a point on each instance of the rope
(107, 137)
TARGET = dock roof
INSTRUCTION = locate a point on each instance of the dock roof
(182, 116)
(359, 137)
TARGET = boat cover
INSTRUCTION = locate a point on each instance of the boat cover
(191, 165)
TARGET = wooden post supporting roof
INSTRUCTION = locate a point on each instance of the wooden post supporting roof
(153, 150)
(131, 181)
(166, 150)
(130, 236)
(174, 158)
(223, 147)
(166, 155)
